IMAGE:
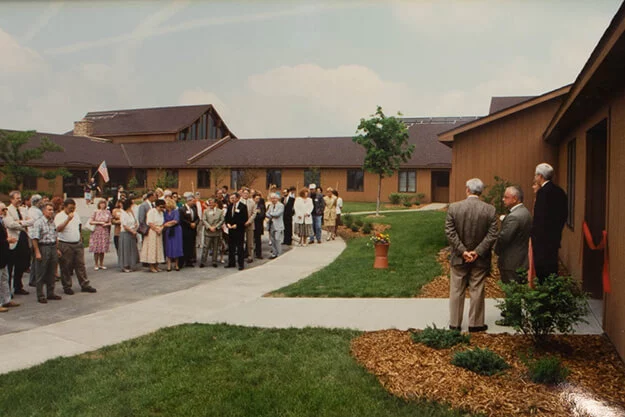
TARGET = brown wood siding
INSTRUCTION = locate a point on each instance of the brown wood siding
(510, 148)
(614, 303)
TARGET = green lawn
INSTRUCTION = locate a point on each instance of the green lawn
(355, 206)
(416, 238)
(210, 370)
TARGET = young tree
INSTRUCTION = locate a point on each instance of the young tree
(385, 140)
(15, 160)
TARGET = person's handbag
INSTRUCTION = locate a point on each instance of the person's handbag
(143, 229)
(90, 227)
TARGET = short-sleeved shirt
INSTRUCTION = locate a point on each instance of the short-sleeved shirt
(44, 231)
(71, 233)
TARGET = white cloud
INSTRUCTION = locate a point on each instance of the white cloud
(17, 59)
(39, 24)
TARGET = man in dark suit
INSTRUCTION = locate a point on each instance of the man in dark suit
(236, 217)
(550, 213)
(189, 219)
(289, 202)
(471, 228)
(512, 242)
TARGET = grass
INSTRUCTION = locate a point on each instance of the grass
(416, 238)
(356, 206)
(86, 234)
(210, 370)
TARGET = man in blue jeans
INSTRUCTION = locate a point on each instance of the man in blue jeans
(319, 204)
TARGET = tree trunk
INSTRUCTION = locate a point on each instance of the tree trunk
(377, 206)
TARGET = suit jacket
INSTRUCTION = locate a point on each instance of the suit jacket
(214, 218)
(11, 222)
(512, 242)
(289, 203)
(186, 219)
(251, 212)
(239, 217)
(471, 225)
(550, 213)
(275, 215)
(4, 246)
(143, 212)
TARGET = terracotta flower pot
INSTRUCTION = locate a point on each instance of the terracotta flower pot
(381, 256)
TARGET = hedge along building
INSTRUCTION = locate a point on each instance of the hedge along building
(183, 145)
(580, 130)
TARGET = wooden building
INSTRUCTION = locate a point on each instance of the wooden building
(194, 150)
(506, 143)
(588, 130)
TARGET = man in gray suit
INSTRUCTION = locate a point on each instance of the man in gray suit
(513, 241)
(275, 213)
(471, 228)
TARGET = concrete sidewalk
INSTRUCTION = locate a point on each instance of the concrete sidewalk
(427, 207)
(237, 299)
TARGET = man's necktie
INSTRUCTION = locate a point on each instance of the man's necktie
(18, 213)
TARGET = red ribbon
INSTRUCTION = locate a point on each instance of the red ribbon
(603, 245)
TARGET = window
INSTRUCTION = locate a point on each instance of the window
(312, 176)
(183, 134)
(274, 177)
(141, 175)
(193, 131)
(30, 183)
(237, 177)
(407, 181)
(570, 182)
(355, 180)
(203, 178)
(212, 132)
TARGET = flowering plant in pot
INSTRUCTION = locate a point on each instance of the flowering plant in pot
(380, 239)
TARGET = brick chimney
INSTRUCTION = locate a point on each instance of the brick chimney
(83, 127)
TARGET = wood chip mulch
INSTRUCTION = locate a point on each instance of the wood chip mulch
(347, 233)
(439, 286)
(415, 371)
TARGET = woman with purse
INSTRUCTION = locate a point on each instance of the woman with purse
(127, 252)
(152, 248)
(100, 238)
(173, 234)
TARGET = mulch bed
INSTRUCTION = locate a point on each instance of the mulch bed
(347, 233)
(415, 371)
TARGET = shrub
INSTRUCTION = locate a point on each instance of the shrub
(440, 338)
(418, 198)
(547, 370)
(406, 200)
(133, 183)
(556, 304)
(366, 228)
(359, 222)
(494, 195)
(394, 198)
(480, 361)
(355, 228)
(347, 220)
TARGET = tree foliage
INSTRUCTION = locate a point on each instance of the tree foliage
(385, 140)
(16, 158)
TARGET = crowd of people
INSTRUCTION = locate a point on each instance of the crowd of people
(521, 243)
(43, 237)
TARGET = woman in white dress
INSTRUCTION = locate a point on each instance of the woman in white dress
(303, 208)
(152, 248)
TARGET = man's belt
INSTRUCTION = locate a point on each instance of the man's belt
(69, 243)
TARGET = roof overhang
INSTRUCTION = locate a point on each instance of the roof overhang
(449, 136)
(600, 77)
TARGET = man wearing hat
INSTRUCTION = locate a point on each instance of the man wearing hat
(189, 220)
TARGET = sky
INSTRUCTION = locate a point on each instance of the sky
(287, 68)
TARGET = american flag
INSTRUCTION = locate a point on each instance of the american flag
(104, 171)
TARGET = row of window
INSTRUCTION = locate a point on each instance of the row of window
(203, 128)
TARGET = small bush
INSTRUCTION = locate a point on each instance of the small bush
(547, 370)
(347, 220)
(366, 228)
(440, 338)
(394, 198)
(480, 361)
(418, 198)
(406, 200)
(359, 222)
(556, 304)
(355, 228)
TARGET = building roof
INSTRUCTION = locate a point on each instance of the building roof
(147, 121)
(331, 152)
(500, 103)
(599, 78)
(448, 136)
